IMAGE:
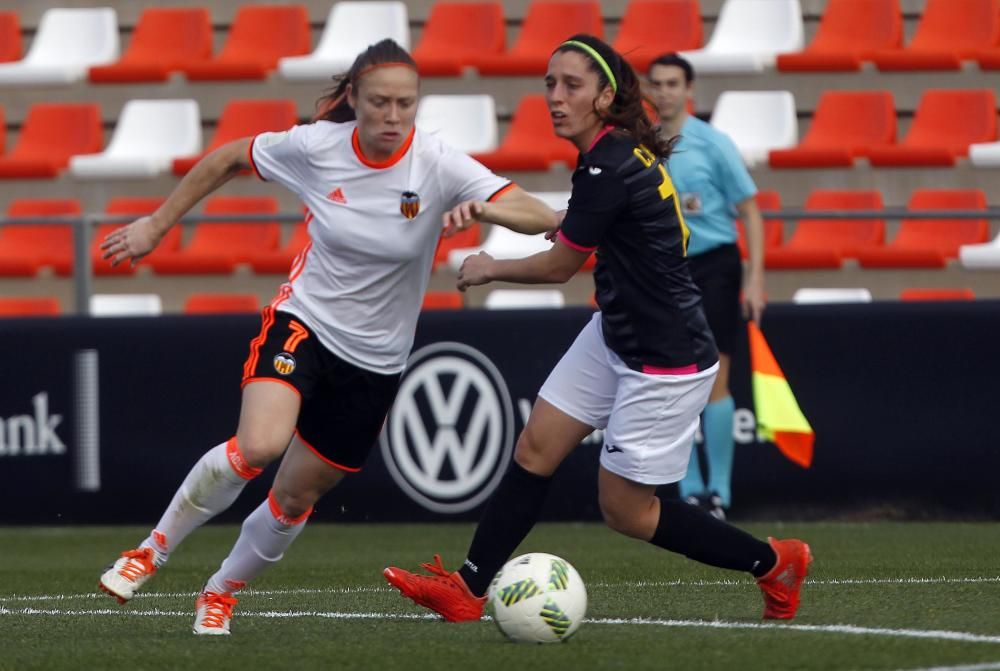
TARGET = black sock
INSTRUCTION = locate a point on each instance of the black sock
(694, 533)
(509, 516)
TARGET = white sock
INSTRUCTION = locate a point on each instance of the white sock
(211, 487)
(267, 532)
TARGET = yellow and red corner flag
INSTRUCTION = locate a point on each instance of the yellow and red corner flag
(779, 418)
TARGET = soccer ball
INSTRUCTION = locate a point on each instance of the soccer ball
(537, 598)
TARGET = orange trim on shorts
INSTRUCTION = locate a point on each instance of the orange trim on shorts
(251, 380)
(299, 333)
(251, 161)
(267, 321)
(496, 194)
(387, 163)
(341, 467)
(239, 462)
(279, 514)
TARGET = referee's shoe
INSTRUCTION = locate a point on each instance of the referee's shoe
(443, 592)
(780, 586)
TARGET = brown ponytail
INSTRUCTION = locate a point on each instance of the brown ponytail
(626, 111)
(333, 106)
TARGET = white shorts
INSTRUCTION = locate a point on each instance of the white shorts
(649, 420)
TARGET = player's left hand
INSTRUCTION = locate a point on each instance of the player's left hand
(462, 216)
(754, 299)
(474, 271)
(554, 233)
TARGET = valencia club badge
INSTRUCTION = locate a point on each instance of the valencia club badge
(409, 204)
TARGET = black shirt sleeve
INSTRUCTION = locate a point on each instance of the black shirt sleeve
(597, 200)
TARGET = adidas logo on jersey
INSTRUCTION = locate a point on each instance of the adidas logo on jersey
(337, 196)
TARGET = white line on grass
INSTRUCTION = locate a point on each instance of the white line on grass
(372, 589)
(986, 666)
(961, 636)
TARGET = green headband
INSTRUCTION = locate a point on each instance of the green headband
(592, 52)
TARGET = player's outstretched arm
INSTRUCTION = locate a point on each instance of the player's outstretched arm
(136, 240)
(516, 209)
(553, 266)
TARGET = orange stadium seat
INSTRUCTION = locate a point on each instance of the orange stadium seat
(457, 35)
(650, 28)
(946, 122)
(244, 118)
(442, 300)
(530, 143)
(279, 261)
(936, 294)
(10, 37)
(545, 26)
(204, 303)
(132, 207)
(51, 134)
(259, 36)
(949, 32)
(3, 135)
(26, 248)
(29, 306)
(931, 243)
(824, 243)
(165, 40)
(216, 247)
(845, 126)
(773, 228)
(849, 32)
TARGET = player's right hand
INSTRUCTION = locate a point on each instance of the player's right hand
(133, 241)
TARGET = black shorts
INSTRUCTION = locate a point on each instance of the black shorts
(719, 275)
(343, 406)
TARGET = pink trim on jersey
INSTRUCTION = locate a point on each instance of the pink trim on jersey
(683, 370)
(604, 131)
(572, 245)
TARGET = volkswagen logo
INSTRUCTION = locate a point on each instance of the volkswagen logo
(450, 433)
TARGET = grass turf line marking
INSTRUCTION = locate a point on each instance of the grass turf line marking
(932, 634)
(986, 666)
(640, 583)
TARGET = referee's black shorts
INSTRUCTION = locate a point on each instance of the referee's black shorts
(343, 406)
(719, 275)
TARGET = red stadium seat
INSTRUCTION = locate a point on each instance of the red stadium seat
(949, 32)
(849, 32)
(916, 294)
(200, 304)
(26, 248)
(216, 247)
(165, 40)
(259, 36)
(930, 243)
(29, 306)
(846, 125)
(51, 134)
(457, 35)
(824, 243)
(3, 135)
(946, 122)
(530, 143)
(651, 28)
(244, 118)
(545, 26)
(470, 237)
(442, 300)
(10, 37)
(773, 228)
(279, 262)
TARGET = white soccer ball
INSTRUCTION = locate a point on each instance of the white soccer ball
(537, 598)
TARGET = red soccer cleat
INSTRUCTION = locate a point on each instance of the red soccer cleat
(781, 584)
(445, 593)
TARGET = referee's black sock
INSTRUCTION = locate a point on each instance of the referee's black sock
(694, 533)
(509, 516)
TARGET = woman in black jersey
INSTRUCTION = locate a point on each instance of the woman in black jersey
(641, 369)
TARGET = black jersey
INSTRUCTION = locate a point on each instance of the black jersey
(624, 205)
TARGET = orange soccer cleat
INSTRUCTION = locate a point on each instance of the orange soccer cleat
(443, 592)
(781, 585)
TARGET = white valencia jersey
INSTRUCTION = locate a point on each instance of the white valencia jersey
(373, 227)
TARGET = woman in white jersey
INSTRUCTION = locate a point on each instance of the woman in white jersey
(324, 370)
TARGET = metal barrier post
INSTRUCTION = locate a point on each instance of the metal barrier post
(82, 267)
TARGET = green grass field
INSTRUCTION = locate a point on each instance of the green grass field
(880, 596)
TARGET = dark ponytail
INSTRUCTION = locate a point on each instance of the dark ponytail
(333, 106)
(627, 111)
